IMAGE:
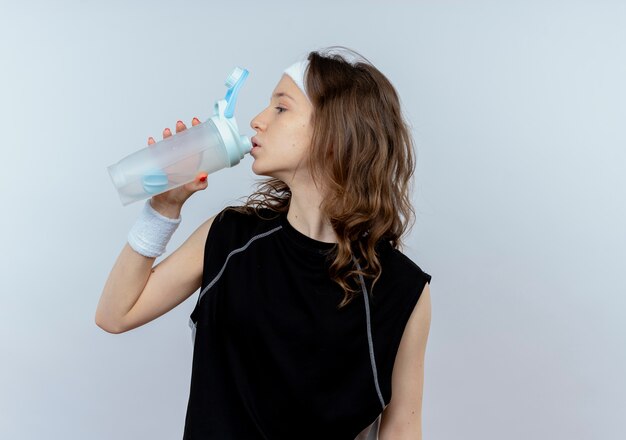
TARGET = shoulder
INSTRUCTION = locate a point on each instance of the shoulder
(233, 228)
(240, 223)
(401, 284)
(404, 411)
(401, 267)
(234, 214)
(248, 213)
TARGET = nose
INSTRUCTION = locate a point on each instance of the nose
(256, 123)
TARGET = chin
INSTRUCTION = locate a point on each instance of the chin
(259, 171)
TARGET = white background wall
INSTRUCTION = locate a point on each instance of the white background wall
(518, 111)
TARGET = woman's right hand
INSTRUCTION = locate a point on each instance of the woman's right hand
(174, 199)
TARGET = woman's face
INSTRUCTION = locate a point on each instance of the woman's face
(283, 133)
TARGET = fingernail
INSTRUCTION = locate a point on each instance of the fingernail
(179, 123)
(202, 179)
(196, 120)
(168, 130)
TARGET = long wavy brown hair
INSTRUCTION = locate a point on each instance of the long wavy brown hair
(362, 153)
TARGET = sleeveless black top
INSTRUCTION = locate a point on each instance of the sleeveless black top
(273, 357)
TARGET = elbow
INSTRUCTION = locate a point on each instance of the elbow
(107, 327)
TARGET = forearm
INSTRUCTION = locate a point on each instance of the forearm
(126, 281)
(130, 274)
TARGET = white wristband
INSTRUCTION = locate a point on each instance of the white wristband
(152, 231)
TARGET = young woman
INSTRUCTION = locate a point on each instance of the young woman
(310, 323)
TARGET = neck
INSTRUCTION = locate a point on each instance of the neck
(305, 215)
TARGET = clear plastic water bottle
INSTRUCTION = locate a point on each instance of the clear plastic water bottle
(176, 160)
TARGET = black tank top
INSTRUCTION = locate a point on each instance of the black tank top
(273, 357)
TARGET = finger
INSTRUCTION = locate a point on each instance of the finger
(167, 133)
(150, 140)
(195, 121)
(180, 126)
(201, 181)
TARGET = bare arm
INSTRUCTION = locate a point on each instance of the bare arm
(402, 418)
(136, 292)
(126, 281)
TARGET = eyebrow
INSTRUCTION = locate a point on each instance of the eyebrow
(278, 95)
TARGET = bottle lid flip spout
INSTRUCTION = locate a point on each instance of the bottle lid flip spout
(236, 145)
(234, 82)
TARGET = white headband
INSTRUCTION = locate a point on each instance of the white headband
(296, 72)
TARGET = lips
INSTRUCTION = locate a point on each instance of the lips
(254, 143)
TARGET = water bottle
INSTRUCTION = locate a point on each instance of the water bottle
(176, 160)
